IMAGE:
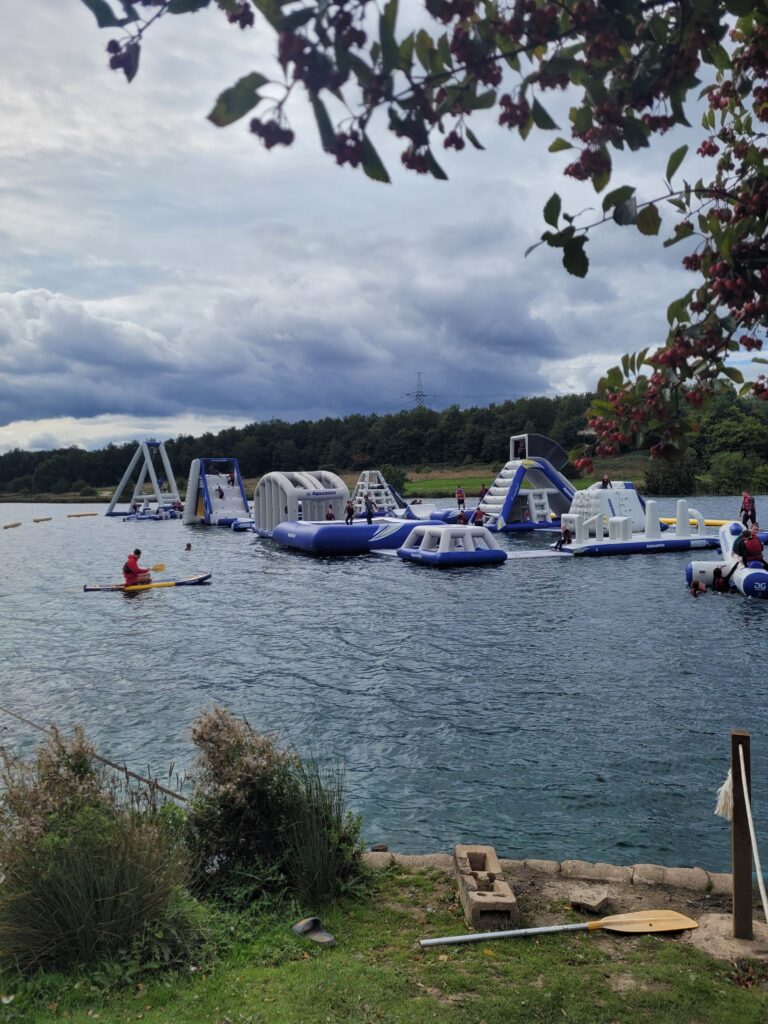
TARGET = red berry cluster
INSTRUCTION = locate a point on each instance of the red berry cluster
(514, 115)
(241, 14)
(591, 161)
(348, 148)
(454, 140)
(271, 133)
(415, 159)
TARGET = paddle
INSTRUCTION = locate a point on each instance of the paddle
(160, 567)
(639, 921)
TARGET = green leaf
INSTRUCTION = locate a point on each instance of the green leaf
(424, 48)
(717, 55)
(617, 196)
(483, 101)
(406, 52)
(473, 138)
(581, 118)
(559, 145)
(390, 51)
(735, 375)
(552, 209)
(739, 7)
(105, 16)
(675, 160)
(186, 6)
(372, 164)
(599, 181)
(324, 126)
(682, 230)
(271, 11)
(434, 167)
(541, 118)
(574, 258)
(237, 100)
(648, 220)
(635, 133)
(297, 19)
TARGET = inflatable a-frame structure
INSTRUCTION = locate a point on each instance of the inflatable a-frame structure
(146, 451)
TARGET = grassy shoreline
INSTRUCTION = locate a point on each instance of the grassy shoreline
(377, 974)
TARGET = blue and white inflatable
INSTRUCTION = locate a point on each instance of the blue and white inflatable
(751, 579)
(447, 546)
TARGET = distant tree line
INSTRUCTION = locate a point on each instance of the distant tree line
(412, 437)
(729, 454)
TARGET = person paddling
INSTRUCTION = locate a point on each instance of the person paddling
(133, 573)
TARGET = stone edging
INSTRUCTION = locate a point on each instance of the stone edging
(695, 879)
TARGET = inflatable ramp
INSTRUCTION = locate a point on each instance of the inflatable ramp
(530, 492)
(216, 495)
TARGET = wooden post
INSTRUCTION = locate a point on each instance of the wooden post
(741, 846)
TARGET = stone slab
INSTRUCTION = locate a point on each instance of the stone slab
(591, 899)
(648, 874)
(544, 867)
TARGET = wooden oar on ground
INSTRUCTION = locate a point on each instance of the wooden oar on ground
(638, 922)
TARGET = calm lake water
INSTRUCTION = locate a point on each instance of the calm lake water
(550, 707)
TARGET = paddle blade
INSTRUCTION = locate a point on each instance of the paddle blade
(645, 921)
(160, 567)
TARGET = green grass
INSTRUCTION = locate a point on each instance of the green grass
(377, 974)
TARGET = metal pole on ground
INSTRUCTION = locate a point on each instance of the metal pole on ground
(741, 847)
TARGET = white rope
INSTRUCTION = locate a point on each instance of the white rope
(752, 836)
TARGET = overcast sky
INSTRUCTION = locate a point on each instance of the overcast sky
(159, 275)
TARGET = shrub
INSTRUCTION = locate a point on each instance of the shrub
(90, 867)
(261, 819)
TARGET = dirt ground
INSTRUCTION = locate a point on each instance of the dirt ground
(546, 896)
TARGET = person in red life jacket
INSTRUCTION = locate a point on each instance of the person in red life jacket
(478, 516)
(483, 492)
(460, 497)
(752, 548)
(747, 510)
(462, 517)
(329, 513)
(133, 572)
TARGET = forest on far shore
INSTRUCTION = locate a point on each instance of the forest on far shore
(729, 454)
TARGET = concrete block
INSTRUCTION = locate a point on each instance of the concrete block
(544, 867)
(721, 884)
(595, 872)
(488, 901)
(695, 879)
(648, 874)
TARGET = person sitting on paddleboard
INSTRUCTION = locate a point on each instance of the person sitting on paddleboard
(133, 572)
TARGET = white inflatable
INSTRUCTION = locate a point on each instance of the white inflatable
(750, 580)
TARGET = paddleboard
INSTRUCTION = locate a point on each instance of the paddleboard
(190, 581)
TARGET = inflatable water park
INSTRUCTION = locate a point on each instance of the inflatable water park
(167, 504)
(315, 513)
(749, 579)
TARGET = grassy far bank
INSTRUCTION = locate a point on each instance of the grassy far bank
(377, 974)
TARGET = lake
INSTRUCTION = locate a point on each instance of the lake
(553, 708)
